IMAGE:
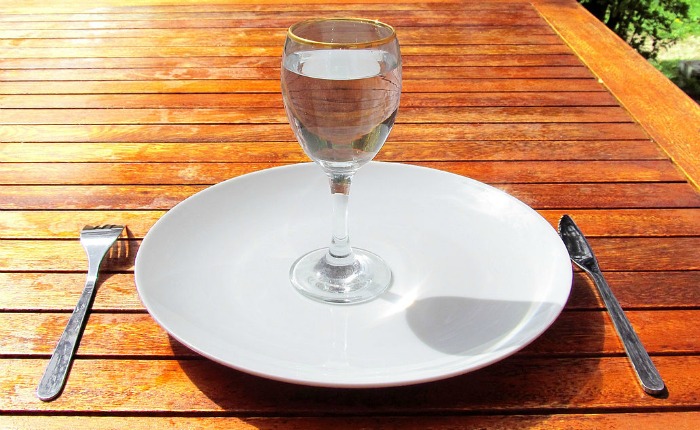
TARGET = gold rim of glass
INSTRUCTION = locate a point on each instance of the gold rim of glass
(382, 41)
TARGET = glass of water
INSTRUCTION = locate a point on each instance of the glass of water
(341, 84)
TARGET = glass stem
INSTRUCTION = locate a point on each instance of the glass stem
(340, 252)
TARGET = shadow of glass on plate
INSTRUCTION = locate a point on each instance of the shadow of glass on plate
(467, 326)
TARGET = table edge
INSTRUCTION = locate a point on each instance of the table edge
(676, 134)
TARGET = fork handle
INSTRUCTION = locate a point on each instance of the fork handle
(648, 376)
(54, 378)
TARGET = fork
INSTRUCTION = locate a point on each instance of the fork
(97, 241)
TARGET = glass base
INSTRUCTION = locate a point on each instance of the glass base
(358, 278)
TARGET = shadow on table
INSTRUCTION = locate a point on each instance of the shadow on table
(122, 255)
(558, 370)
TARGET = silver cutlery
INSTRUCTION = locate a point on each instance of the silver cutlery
(96, 241)
(582, 255)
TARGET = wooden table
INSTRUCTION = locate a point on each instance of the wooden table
(113, 111)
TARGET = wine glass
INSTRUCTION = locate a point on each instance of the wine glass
(341, 84)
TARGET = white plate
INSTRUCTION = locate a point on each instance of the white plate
(477, 276)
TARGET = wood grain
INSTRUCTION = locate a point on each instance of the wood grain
(679, 420)
(276, 19)
(153, 61)
(55, 291)
(418, 115)
(469, 60)
(218, 86)
(162, 37)
(59, 291)
(277, 132)
(211, 173)
(162, 197)
(203, 387)
(287, 152)
(65, 224)
(615, 254)
(153, 73)
(581, 333)
(240, 101)
(608, 57)
(113, 111)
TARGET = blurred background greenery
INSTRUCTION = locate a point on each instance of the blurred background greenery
(666, 32)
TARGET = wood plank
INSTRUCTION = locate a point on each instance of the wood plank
(166, 6)
(202, 386)
(639, 290)
(50, 224)
(422, 115)
(265, 51)
(495, 172)
(407, 34)
(282, 132)
(158, 73)
(222, 51)
(472, 35)
(592, 333)
(29, 224)
(560, 142)
(154, 61)
(211, 173)
(32, 7)
(268, 100)
(672, 120)
(63, 255)
(538, 196)
(142, 14)
(95, 197)
(215, 86)
(288, 152)
(270, 51)
(615, 254)
(519, 98)
(676, 420)
(580, 333)
(127, 173)
(59, 292)
(105, 336)
(262, 19)
(636, 254)
(603, 196)
(631, 222)
(47, 291)
(142, 87)
(279, 19)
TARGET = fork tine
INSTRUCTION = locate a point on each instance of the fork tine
(103, 227)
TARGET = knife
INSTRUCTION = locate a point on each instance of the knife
(582, 255)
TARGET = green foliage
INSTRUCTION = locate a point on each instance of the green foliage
(690, 26)
(670, 69)
(647, 25)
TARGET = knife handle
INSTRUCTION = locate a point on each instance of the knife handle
(648, 376)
